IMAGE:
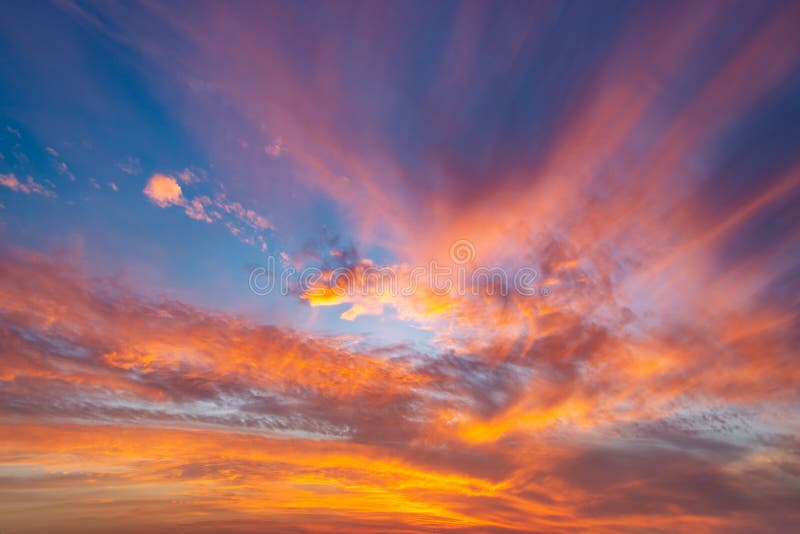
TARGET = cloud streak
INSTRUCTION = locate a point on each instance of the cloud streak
(27, 187)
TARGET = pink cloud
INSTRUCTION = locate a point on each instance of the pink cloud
(28, 187)
(247, 216)
(196, 208)
(275, 149)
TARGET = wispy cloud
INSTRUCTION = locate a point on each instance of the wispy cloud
(247, 225)
(61, 167)
(131, 166)
(29, 186)
(276, 148)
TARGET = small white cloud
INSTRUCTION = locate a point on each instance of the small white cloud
(113, 186)
(52, 151)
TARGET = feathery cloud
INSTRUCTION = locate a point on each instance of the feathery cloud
(28, 187)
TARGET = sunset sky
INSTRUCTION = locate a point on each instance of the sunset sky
(162, 163)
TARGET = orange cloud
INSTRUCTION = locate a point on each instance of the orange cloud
(216, 422)
(164, 191)
(654, 386)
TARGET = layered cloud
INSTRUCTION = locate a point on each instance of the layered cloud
(640, 161)
(224, 414)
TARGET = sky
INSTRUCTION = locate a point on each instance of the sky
(399, 267)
